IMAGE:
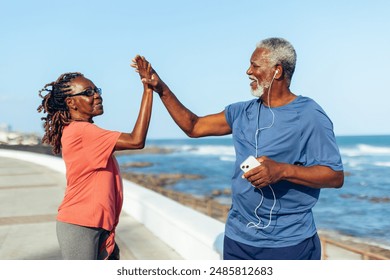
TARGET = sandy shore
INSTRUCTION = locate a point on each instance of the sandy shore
(160, 181)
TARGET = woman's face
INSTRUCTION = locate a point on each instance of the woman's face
(84, 99)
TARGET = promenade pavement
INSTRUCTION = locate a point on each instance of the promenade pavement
(29, 197)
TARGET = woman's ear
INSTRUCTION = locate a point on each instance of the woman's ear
(70, 103)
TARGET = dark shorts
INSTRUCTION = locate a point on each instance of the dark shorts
(309, 249)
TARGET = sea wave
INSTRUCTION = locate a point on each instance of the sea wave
(227, 158)
(355, 164)
(361, 207)
(215, 150)
(365, 150)
(382, 164)
(228, 150)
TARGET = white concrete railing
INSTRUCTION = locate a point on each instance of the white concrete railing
(191, 234)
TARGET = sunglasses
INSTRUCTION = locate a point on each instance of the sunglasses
(88, 92)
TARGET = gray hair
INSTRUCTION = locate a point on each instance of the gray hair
(281, 52)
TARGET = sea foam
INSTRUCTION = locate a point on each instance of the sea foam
(365, 150)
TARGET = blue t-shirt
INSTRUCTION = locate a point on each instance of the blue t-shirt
(301, 133)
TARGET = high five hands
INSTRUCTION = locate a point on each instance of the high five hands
(142, 67)
(148, 74)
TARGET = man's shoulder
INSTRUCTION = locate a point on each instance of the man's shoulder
(307, 103)
(310, 111)
(305, 100)
(238, 110)
(243, 104)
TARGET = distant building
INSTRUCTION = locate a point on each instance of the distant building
(9, 137)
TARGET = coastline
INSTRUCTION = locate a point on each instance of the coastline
(160, 181)
(210, 206)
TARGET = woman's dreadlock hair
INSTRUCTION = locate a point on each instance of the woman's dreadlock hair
(54, 105)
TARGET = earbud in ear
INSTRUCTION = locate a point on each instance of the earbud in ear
(277, 71)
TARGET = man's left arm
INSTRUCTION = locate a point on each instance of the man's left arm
(271, 172)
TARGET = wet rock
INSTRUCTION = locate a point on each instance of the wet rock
(146, 150)
(140, 164)
(158, 180)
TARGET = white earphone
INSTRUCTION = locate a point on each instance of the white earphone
(276, 72)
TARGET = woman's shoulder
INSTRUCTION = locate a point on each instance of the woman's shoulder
(78, 125)
(78, 128)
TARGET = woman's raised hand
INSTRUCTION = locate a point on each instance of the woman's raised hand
(148, 74)
(142, 67)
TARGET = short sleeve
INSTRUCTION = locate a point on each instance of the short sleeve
(319, 146)
(98, 144)
(234, 111)
(229, 112)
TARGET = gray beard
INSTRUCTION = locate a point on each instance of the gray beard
(258, 92)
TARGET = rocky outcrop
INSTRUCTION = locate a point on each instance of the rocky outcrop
(158, 180)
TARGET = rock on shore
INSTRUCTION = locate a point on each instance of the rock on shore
(157, 180)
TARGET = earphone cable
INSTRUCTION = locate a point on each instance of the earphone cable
(252, 224)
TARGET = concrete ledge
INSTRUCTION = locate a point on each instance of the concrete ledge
(52, 162)
(192, 234)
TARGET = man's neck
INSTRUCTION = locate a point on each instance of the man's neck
(278, 98)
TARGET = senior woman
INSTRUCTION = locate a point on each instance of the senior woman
(89, 212)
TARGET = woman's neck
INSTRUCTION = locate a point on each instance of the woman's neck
(81, 120)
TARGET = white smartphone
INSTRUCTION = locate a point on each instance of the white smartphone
(249, 163)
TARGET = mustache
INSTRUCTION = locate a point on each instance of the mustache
(253, 78)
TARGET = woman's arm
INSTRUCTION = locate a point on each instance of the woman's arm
(136, 139)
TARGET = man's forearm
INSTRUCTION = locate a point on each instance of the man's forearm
(314, 176)
(182, 116)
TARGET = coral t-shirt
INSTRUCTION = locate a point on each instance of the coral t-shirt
(94, 191)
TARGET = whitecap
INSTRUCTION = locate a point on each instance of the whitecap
(382, 164)
(215, 150)
(226, 158)
(365, 150)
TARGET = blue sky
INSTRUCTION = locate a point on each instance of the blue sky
(201, 49)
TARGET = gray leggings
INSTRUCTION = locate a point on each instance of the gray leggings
(80, 243)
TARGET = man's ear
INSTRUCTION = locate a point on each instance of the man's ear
(278, 72)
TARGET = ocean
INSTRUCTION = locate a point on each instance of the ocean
(360, 209)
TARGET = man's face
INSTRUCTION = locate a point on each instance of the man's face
(258, 72)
